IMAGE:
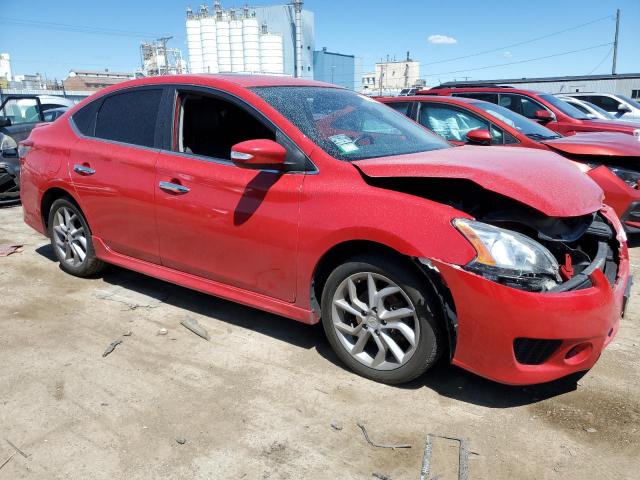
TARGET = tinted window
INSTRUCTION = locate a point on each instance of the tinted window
(349, 126)
(487, 97)
(402, 107)
(129, 117)
(85, 118)
(520, 104)
(564, 107)
(606, 103)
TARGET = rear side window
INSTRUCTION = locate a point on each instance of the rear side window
(130, 117)
(487, 97)
(606, 103)
(402, 107)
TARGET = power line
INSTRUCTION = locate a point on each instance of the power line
(77, 28)
(524, 42)
(602, 61)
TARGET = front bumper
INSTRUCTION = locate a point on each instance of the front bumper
(9, 180)
(496, 322)
(620, 196)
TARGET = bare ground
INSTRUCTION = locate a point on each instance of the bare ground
(258, 401)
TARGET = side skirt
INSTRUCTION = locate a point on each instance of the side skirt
(204, 285)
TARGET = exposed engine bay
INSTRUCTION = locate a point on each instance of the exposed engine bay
(579, 245)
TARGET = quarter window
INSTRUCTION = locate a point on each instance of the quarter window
(130, 117)
(402, 107)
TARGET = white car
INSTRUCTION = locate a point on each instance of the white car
(620, 106)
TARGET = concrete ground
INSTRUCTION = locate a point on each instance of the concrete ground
(258, 401)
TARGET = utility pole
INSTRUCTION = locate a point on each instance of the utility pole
(615, 43)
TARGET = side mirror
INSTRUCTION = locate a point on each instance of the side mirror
(544, 116)
(479, 137)
(258, 154)
(622, 108)
(5, 122)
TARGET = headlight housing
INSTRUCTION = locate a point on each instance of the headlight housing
(7, 143)
(509, 257)
(629, 177)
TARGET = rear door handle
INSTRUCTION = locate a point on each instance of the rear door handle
(83, 170)
(173, 187)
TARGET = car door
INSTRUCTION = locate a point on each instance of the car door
(219, 221)
(112, 167)
(23, 113)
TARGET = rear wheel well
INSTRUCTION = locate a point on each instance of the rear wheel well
(51, 196)
(342, 252)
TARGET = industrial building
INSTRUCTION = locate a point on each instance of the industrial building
(624, 83)
(272, 40)
(337, 68)
(90, 80)
(391, 76)
(157, 59)
(5, 67)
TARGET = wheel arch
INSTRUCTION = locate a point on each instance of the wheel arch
(341, 252)
(51, 195)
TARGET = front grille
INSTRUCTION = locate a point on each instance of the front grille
(534, 351)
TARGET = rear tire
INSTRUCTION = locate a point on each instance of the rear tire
(390, 332)
(71, 240)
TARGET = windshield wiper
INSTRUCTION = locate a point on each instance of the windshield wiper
(539, 136)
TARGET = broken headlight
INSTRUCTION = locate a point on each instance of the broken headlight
(7, 144)
(509, 257)
(629, 177)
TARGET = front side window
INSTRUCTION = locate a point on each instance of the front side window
(129, 117)
(454, 124)
(525, 126)
(520, 104)
(21, 110)
(349, 126)
(608, 104)
(564, 107)
(209, 126)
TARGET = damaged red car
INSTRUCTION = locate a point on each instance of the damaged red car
(313, 202)
(612, 159)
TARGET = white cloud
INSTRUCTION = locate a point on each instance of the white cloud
(507, 54)
(441, 40)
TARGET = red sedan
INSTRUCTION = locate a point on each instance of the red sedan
(547, 109)
(611, 159)
(316, 203)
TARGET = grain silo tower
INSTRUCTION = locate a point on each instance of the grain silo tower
(271, 52)
(194, 42)
(251, 42)
(209, 41)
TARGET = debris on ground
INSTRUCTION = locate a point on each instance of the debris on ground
(127, 333)
(590, 430)
(112, 346)
(7, 460)
(337, 425)
(16, 448)
(378, 445)
(163, 331)
(193, 325)
(463, 457)
(380, 476)
(6, 250)
(181, 440)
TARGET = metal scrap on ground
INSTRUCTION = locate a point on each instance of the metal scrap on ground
(195, 327)
(6, 250)
(463, 457)
(112, 346)
(366, 436)
(16, 448)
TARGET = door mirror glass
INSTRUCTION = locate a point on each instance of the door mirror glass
(479, 137)
(544, 116)
(258, 154)
(5, 122)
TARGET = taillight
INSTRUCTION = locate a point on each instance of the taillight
(24, 147)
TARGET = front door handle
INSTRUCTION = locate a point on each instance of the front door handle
(83, 169)
(173, 187)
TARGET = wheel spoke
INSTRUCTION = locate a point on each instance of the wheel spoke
(404, 329)
(353, 296)
(348, 329)
(396, 351)
(381, 295)
(80, 254)
(395, 314)
(344, 305)
(381, 356)
(371, 289)
(363, 338)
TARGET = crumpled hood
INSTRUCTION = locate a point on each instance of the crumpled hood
(597, 143)
(538, 178)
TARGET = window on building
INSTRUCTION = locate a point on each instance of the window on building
(130, 117)
(635, 93)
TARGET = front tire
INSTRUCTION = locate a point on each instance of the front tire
(71, 240)
(380, 318)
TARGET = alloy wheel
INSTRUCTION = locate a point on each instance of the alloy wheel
(375, 321)
(70, 238)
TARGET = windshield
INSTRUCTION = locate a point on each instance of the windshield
(630, 101)
(564, 107)
(528, 127)
(349, 126)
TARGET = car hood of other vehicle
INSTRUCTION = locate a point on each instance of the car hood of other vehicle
(597, 143)
(541, 179)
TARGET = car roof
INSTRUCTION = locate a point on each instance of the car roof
(496, 89)
(222, 80)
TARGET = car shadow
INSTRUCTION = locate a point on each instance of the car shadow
(253, 196)
(445, 379)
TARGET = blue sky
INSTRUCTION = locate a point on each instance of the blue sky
(370, 30)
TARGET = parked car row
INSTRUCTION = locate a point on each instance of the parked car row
(19, 114)
(313, 202)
